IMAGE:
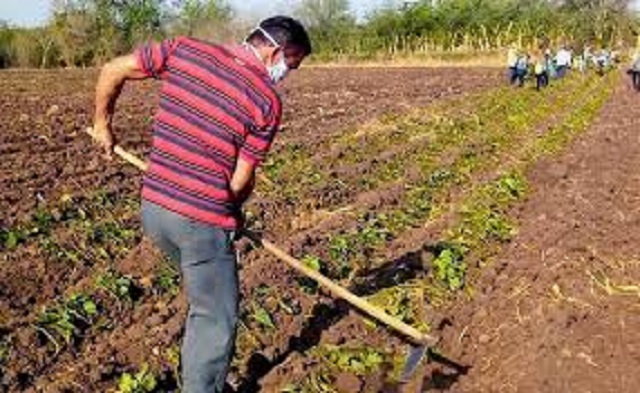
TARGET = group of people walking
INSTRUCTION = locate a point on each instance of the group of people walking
(545, 64)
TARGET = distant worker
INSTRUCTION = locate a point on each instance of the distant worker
(634, 71)
(219, 111)
(540, 70)
(587, 56)
(602, 61)
(512, 60)
(522, 68)
(578, 63)
(563, 61)
(550, 64)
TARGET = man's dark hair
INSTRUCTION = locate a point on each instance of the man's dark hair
(287, 31)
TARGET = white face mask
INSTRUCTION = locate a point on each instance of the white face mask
(279, 70)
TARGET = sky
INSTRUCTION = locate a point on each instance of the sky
(35, 12)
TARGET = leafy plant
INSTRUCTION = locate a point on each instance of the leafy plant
(110, 232)
(67, 320)
(360, 361)
(262, 291)
(449, 264)
(11, 238)
(120, 286)
(41, 222)
(5, 350)
(167, 280)
(308, 285)
(262, 317)
(172, 355)
(141, 382)
(57, 252)
(355, 247)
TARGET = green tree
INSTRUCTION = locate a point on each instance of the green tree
(331, 25)
(139, 20)
(204, 18)
(6, 38)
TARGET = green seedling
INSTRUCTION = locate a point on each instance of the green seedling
(56, 252)
(119, 286)
(141, 382)
(262, 291)
(262, 317)
(5, 350)
(166, 280)
(110, 232)
(41, 222)
(449, 264)
(359, 361)
(11, 238)
(308, 285)
(353, 249)
(67, 320)
(172, 356)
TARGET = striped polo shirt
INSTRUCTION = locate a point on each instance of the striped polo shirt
(217, 103)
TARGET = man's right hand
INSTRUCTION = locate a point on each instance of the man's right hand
(103, 134)
(110, 83)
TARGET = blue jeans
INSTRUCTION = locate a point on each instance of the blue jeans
(561, 71)
(207, 260)
(513, 75)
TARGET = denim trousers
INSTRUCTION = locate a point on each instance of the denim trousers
(561, 71)
(513, 75)
(207, 260)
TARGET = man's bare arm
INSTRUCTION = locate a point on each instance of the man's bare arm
(112, 78)
(242, 179)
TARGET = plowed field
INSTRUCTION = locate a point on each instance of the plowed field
(430, 192)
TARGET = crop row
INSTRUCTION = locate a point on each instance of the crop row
(387, 150)
(429, 193)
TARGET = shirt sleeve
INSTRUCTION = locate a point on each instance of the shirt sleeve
(259, 139)
(153, 57)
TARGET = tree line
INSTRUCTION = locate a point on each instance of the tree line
(426, 26)
(87, 32)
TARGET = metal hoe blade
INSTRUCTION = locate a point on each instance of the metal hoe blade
(416, 353)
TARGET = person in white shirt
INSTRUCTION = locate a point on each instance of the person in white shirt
(563, 61)
(512, 60)
(602, 61)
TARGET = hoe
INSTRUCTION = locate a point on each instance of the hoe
(419, 342)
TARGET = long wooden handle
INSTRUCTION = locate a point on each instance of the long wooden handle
(342, 293)
(376, 312)
(143, 166)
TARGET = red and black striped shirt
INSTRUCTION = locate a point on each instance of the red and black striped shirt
(217, 103)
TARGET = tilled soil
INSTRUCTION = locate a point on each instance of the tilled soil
(558, 309)
(44, 114)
